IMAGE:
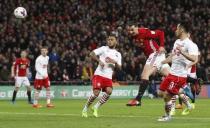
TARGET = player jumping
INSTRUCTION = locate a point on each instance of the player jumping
(20, 70)
(42, 79)
(108, 58)
(146, 40)
(184, 50)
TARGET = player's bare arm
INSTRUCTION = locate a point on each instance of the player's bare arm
(119, 67)
(95, 57)
(12, 71)
(168, 59)
(192, 63)
(192, 58)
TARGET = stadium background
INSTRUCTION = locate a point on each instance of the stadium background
(71, 29)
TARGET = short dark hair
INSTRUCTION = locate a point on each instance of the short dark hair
(186, 26)
(44, 47)
(113, 33)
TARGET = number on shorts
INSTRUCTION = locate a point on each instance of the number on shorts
(171, 85)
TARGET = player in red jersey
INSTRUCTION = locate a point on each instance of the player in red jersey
(19, 72)
(146, 40)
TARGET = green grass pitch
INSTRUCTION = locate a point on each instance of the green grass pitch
(114, 114)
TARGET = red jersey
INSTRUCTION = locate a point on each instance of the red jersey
(20, 66)
(146, 39)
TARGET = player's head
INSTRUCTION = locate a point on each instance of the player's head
(183, 28)
(23, 54)
(44, 51)
(112, 40)
(132, 30)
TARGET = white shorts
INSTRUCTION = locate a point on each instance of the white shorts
(191, 74)
(155, 60)
(21, 81)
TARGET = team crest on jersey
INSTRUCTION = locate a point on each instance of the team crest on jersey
(22, 66)
(99, 84)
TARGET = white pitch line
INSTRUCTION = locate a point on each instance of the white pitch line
(112, 116)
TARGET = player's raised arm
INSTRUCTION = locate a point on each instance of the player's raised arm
(156, 34)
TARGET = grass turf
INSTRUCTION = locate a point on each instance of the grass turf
(114, 114)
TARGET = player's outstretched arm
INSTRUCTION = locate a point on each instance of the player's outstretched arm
(192, 58)
(157, 34)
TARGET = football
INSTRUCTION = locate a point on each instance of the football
(20, 12)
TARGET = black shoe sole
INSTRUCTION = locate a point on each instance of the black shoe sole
(133, 105)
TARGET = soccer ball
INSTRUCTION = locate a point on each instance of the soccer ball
(20, 12)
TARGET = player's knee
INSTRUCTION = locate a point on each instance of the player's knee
(181, 95)
(16, 88)
(96, 92)
(28, 88)
(160, 93)
(109, 91)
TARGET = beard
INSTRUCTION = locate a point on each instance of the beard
(112, 47)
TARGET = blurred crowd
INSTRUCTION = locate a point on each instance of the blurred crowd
(73, 28)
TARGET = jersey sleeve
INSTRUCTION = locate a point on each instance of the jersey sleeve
(193, 49)
(28, 63)
(156, 34)
(99, 51)
(119, 61)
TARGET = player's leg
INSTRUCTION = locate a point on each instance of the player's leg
(186, 101)
(169, 87)
(194, 95)
(48, 91)
(162, 92)
(165, 69)
(18, 83)
(103, 100)
(37, 90)
(29, 94)
(144, 83)
(179, 105)
(14, 94)
(91, 99)
(168, 106)
(96, 83)
(28, 87)
(173, 100)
